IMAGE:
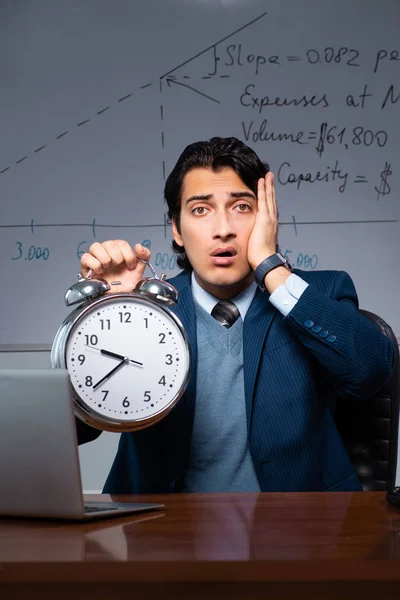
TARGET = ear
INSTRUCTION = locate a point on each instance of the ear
(177, 236)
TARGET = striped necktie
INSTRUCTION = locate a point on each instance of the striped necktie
(226, 312)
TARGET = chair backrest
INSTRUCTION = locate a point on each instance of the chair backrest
(369, 425)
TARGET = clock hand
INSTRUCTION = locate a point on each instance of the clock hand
(114, 370)
(114, 355)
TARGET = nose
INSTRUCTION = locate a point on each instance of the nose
(223, 227)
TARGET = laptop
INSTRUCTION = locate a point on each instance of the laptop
(39, 462)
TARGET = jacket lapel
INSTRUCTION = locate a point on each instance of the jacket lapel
(256, 325)
(185, 311)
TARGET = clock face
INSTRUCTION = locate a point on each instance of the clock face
(127, 358)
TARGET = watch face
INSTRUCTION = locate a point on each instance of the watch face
(128, 358)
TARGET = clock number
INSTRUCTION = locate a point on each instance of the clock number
(81, 358)
(91, 340)
(125, 402)
(125, 317)
(162, 336)
(147, 397)
(162, 381)
(105, 392)
(88, 381)
(108, 323)
(169, 361)
(147, 322)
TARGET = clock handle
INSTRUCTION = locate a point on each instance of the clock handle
(85, 289)
(148, 264)
(87, 276)
(156, 287)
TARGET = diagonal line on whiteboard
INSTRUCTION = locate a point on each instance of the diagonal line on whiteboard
(173, 80)
(212, 45)
(61, 135)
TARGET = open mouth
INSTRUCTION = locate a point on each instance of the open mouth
(228, 251)
(224, 256)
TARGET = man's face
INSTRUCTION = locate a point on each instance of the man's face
(218, 213)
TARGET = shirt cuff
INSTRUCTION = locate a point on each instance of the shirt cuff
(285, 297)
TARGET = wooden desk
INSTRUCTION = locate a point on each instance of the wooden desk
(212, 546)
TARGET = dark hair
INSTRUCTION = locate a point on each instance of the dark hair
(217, 153)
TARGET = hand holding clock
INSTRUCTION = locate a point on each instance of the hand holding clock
(117, 325)
(114, 260)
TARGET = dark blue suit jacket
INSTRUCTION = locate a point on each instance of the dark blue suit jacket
(294, 369)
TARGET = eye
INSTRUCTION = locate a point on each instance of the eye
(243, 207)
(199, 210)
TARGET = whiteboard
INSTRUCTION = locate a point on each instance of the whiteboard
(99, 98)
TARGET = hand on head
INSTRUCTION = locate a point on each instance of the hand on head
(263, 239)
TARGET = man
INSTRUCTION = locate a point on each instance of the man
(257, 411)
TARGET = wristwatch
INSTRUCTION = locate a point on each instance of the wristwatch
(273, 261)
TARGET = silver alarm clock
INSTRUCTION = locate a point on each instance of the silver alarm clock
(127, 354)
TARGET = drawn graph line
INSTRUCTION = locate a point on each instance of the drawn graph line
(33, 225)
(171, 80)
(214, 44)
(79, 124)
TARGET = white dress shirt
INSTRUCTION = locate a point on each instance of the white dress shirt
(283, 298)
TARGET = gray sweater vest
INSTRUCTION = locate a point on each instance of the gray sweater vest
(219, 458)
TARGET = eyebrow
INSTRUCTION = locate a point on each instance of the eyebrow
(207, 197)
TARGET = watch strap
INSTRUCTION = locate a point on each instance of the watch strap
(267, 265)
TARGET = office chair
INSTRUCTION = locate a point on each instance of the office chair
(369, 425)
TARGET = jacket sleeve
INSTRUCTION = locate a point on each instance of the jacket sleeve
(85, 433)
(353, 350)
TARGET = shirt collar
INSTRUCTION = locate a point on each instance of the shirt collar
(207, 301)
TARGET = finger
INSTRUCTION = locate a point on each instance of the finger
(270, 194)
(114, 252)
(274, 194)
(99, 252)
(262, 204)
(144, 254)
(89, 262)
(127, 253)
